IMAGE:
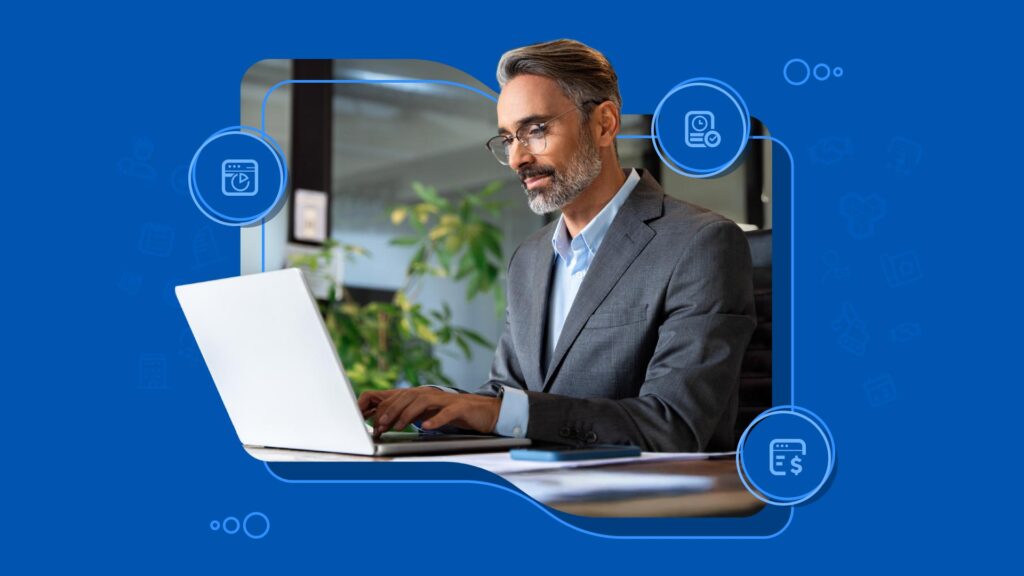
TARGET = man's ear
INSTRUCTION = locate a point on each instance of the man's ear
(606, 114)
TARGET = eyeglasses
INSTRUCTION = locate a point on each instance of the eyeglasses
(533, 137)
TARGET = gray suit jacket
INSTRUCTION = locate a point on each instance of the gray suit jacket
(651, 349)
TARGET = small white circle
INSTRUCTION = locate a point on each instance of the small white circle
(823, 75)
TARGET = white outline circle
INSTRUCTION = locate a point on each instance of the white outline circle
(730, 93)
(245, 525)
(810, 417)
(785, 74)
(828, 72)
(282, 165)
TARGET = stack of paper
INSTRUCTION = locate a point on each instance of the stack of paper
(602, 484)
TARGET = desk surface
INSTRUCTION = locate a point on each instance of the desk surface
(726, 497)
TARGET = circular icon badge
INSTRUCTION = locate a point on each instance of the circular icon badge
(785, 456)
(238, 176)
(700, 128)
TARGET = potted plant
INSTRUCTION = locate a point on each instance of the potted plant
(387, 344)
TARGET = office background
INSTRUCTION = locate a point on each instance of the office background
(367, 144)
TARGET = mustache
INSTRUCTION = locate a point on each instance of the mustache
(533, 172)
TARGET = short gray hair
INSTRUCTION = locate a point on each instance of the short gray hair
(584, 74)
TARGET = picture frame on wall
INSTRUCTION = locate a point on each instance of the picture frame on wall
(310, 217)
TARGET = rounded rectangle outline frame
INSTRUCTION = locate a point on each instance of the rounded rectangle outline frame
(563, 518)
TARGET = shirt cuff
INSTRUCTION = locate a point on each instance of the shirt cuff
(515, 413)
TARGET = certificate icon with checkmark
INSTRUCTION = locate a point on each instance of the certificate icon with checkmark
(700, 129)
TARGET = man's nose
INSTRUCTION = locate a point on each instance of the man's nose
(518, 155)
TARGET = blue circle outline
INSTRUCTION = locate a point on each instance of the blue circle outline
(224, 525)
(282, 169)
(822, 429)
(837, 72)
(245, 524)
(828, 71)
(786, 74)
(214, 525)
(683, 169)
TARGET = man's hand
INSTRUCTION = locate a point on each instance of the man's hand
(396, 409)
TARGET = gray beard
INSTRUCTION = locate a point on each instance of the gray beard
(566, 187)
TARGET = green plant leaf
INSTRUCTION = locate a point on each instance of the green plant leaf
(461, 342)
(476, 338)
(429, 195)
(405, 241)
(491, 189)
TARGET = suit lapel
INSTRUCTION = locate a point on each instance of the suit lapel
(625, 239)
(539, 294)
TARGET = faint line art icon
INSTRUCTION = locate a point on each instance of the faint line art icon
(862, 213)
(700, 129)
(853, 334)
(156, 240)
(167, 294)
(880, 390)
(179, 180)
(187, 349)
(904, 155)
(255, 525)
(240, 177)
(130, 283)
(204, 247)
(153, 371)
(137, 165)
(831, 150)
(902, 268)
(905, 332)
(786, 456)
(834, 270)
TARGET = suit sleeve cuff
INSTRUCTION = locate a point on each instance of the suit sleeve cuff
(514, 415)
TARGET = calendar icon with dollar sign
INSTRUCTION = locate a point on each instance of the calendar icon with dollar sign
(787, 456)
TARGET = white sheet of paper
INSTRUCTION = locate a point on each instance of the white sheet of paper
(503, 464)
(597, 484)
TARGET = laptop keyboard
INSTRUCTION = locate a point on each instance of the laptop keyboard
(401, 437)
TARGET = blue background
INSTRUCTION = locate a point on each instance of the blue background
(117, 450)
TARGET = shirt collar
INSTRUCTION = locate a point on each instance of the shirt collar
(593, 233)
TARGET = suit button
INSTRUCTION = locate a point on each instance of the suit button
(591, 437)
(564, 432)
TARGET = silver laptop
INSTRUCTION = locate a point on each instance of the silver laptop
(280, 377)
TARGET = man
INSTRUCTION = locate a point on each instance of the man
(628, 317)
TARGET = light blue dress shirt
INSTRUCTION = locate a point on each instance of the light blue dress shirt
(572, 258)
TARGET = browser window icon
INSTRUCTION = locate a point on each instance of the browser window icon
(240, 177)
(785, 456)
